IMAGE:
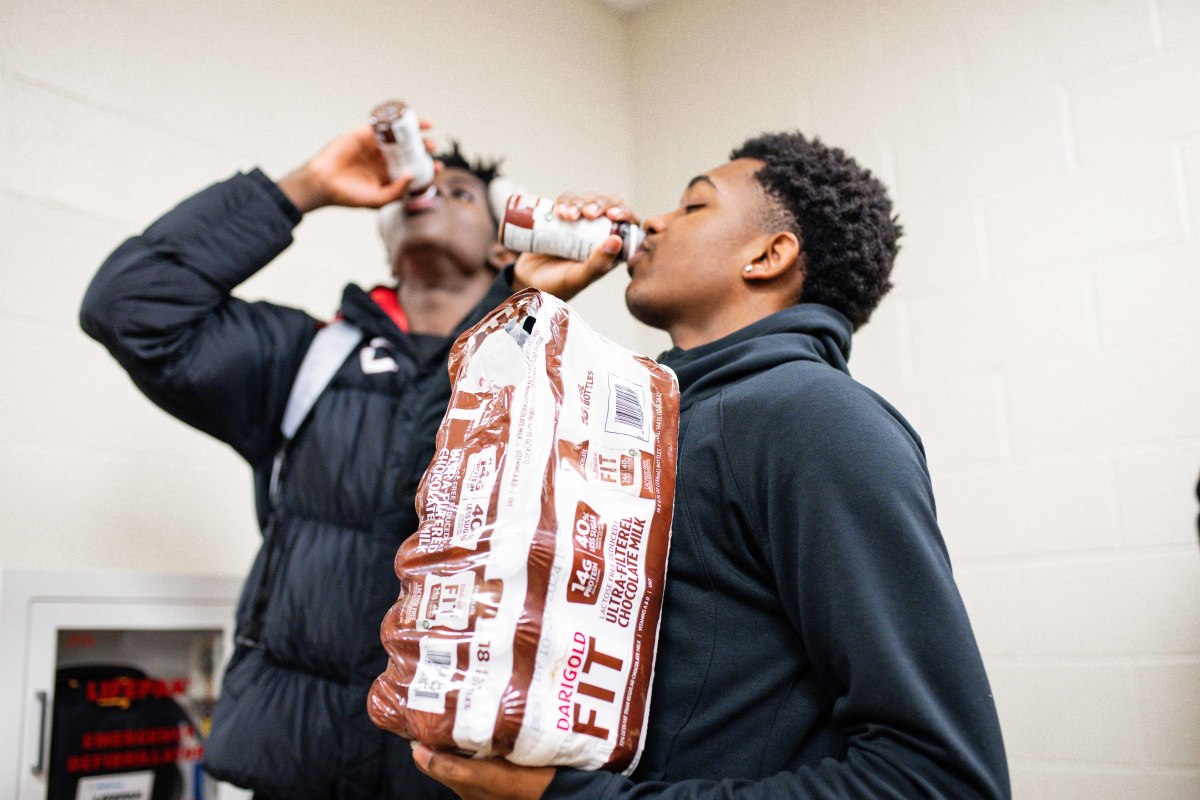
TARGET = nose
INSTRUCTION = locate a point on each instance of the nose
(657, 224)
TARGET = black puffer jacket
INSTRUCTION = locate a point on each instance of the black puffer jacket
(292, 720)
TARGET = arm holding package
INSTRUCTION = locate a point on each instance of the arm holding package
(161, 304)
(864, 578)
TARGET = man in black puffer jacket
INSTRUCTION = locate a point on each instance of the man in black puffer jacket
(292, 722)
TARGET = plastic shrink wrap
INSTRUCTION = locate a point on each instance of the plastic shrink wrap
(530, 595)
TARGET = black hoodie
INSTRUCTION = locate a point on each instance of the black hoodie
(813, 642)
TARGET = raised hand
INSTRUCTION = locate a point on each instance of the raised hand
(565, 279)
(349, 171)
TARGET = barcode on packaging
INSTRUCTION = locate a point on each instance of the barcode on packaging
(435, 675)
(626, 408)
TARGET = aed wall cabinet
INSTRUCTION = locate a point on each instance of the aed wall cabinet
(107, 683)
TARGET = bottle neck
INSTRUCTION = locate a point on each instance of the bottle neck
(631, 235)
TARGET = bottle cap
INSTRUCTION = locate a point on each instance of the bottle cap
(498, 191)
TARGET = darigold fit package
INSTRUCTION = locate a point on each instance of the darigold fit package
(530, 595)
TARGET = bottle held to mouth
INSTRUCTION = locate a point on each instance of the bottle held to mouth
(531, 226)
(398, 133)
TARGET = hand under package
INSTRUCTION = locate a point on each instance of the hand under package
(530, 595)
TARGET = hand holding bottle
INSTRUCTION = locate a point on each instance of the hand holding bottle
(577, 229)
(349, 171)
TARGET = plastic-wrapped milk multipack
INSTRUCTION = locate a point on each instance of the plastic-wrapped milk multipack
(530, 595)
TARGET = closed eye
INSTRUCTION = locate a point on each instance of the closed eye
(692, 207)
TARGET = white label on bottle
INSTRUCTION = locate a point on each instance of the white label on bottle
(557, 237)
(409, 151)
(435, 676)
(518, 238)
(475, 502)
(447, 601)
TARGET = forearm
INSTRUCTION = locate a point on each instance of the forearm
(304, 189)
(157, 287)
(161, 304)
(862, 774)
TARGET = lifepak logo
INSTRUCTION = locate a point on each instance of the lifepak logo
(376, 357)
(120, 692)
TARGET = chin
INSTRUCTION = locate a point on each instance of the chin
(643, 309)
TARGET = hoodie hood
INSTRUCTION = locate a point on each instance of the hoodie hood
(803, 332)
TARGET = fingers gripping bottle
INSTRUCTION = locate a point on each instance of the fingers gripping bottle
(398, 133)
(531, 226)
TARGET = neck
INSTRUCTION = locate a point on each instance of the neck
(436, 297)
(709, 327)
(685, 336)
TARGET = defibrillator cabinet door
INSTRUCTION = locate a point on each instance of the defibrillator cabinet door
(118, 698)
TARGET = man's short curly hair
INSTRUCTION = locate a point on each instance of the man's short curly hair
(841, 213)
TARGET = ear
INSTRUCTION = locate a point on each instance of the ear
(499, 256)
(781, 255)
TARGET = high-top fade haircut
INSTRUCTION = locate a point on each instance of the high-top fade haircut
(841, 213)
(486, 170)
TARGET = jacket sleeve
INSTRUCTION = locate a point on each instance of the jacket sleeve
(161, 304)
(863, 575)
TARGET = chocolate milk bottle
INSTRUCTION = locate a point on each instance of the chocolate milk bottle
(531, 226)
(399, 136)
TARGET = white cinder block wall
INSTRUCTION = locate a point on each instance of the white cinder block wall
(1044, 330)
(1045, 159)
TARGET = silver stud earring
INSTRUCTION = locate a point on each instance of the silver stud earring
(748, 268)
